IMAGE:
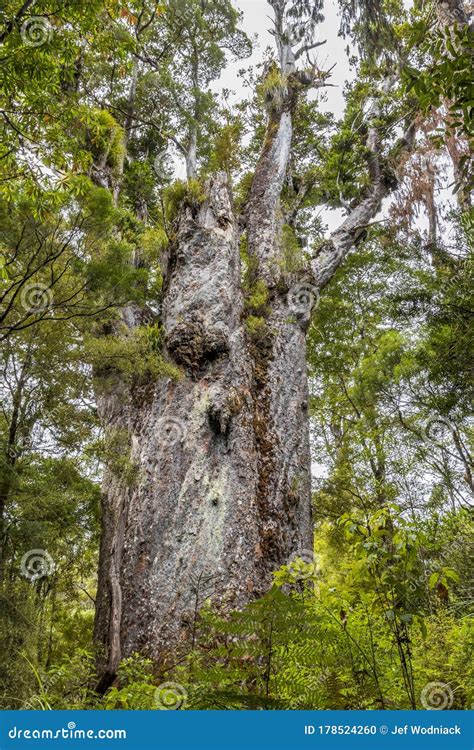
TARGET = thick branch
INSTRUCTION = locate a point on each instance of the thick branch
(325, 264)
(264, 216)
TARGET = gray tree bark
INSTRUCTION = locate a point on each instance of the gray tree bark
(222, 492)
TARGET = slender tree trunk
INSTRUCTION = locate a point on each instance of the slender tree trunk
(191, 154)
(12, 453)
(191, 145)
(127, 130)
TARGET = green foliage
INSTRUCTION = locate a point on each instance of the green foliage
(103, 136)
(257, 298)
(257, 328)
(66, 686)
(47, 621)
(181, 194)
(225, 153)
(293, 257)
(447, 79)
(356, 629)
(136, 689)
(134, 354)
(139, 185)
(152, 242)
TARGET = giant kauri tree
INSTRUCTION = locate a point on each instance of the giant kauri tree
(188, 302)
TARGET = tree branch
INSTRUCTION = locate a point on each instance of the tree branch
(330, 256)
(308, 48)
(15, 20)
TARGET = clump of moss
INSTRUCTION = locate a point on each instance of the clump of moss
(293, 255)
(273, 89)
(256, 295)
(103, 135)
(257, 328)
(181, 194)
(249, 262)
(255, 289)
(257, 299)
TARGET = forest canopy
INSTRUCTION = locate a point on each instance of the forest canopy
(236, 357)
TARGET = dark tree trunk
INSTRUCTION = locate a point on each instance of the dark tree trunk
(13, 451)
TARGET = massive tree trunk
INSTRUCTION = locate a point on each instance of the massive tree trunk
(221, 496)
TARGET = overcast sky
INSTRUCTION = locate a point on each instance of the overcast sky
(256, 20)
